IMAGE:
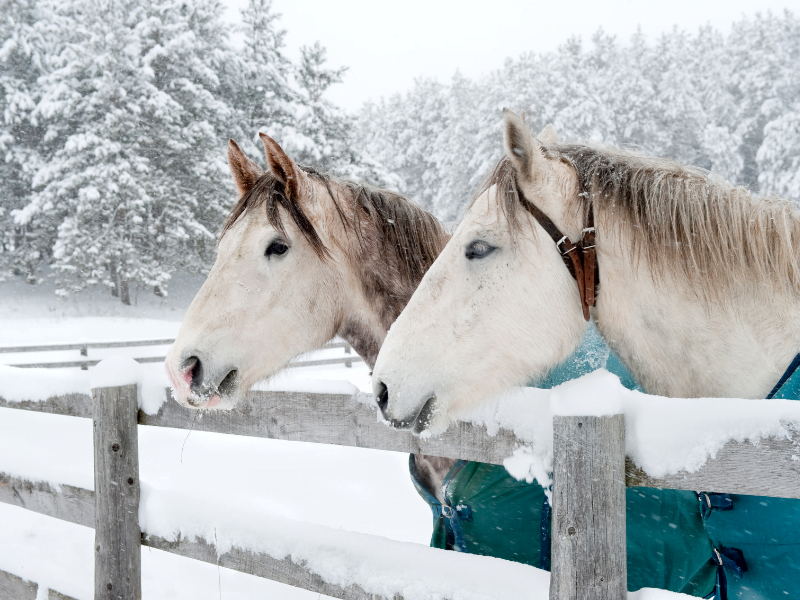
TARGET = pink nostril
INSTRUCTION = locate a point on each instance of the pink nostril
(188, 369)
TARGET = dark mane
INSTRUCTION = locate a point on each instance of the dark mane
(675, 217)
(387, 226)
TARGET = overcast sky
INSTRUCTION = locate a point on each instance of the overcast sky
(387, 44)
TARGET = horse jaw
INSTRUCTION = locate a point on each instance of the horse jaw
(475, 328)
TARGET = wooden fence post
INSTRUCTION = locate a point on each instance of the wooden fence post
(117, 560)
(588, 541)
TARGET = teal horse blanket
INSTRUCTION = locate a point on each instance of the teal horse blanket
(702, 544)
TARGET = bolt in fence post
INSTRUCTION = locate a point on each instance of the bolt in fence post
(117, 538)
(589, 559)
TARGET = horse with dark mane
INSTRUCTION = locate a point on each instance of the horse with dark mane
(303, 257)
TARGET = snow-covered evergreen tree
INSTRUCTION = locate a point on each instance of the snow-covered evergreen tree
(22, 58)
(135, 178)
(726, 103)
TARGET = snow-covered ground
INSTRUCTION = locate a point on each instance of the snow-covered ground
(313, 501)
(341, 488)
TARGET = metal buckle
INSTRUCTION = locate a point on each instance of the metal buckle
(447, 511)
(560, 242)
(586, 230)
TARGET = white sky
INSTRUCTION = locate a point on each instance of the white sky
(387, 44)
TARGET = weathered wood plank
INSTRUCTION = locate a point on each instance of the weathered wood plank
(346, 360)
(80, 363)
(45, 500)
(120, 344)
(64, 502)
(588, 540)
(117, 538)
(768, 469)
(339, 419)
(70, 405)
(772, 468)
(261, 565)
(84, 345)
(16, 588)
(54, 595)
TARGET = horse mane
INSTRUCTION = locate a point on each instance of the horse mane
(404, 230)
(678, 218)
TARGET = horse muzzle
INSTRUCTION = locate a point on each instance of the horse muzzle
(417, 421)
(200, 384)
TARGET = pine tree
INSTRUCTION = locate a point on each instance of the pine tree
(257, 82)
(136, 178)
(22, 58)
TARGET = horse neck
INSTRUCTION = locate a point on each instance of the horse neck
(377, 294)
(678, 344)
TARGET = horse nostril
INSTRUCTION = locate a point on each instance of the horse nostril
(195, 368)
(228, 385)
(382, 397)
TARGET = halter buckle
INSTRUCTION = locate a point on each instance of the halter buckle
(560, 242)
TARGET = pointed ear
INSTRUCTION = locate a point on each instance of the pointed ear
(245, 172)
(548, 135)
(522, 149)
(280, 165)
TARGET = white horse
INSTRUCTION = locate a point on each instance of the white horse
(698, 290)
(303, 257)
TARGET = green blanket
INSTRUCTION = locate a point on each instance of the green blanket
(671, 542)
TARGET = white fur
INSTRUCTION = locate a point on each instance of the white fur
(474, 328)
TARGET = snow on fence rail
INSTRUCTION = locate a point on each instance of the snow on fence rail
(86, 362)
(588, 458)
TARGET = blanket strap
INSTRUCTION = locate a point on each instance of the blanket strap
(454, 515)
(730, 559)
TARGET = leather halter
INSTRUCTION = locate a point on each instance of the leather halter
(580, 258)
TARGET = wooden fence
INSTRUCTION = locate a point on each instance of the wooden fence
(590, 474)
(85, 363)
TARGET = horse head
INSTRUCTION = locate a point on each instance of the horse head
(499, 289)
(303, 257)
(699, 282)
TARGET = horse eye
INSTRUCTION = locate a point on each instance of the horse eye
(277, 248)
(479, 249)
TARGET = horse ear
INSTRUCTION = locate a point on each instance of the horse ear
(245, 172)
(280, 165)
(522, 149)
(548, 135)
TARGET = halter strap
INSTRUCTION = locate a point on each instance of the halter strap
(580, 258)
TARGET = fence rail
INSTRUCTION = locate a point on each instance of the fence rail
(769, 468)
(17, 588)
(84, 347)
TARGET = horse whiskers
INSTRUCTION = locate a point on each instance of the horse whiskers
(188, 434)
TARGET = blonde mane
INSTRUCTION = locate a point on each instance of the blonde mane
(679, 219)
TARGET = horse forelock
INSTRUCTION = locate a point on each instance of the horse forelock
(271, 193)
(679, 219)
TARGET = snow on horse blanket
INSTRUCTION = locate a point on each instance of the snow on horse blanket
(702, 544)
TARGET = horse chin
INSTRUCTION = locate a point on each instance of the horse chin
(208, 401)
(429, 420)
